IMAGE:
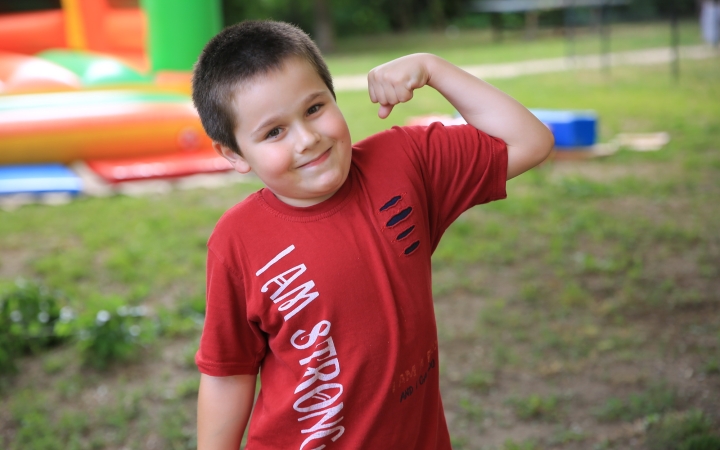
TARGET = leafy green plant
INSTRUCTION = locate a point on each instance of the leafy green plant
(457, 443)
(509, 444)
(188, 388)
(536, 407)
(712, 366)
(173, 428)
(479, 379)
(565, 435)
(655, 400)
(54, 364)
(701, 442)
(186, 319)
(28, 313)
(106, 338)
(684, 431)
(473, 410)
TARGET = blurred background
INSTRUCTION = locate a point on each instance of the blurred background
(580, 313)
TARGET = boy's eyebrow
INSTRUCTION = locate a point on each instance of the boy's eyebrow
(273, 119)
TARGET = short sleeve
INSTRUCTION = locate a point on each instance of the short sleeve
(461, 166)
(230, 343)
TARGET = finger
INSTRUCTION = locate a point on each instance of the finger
(403, 95)
(372, 86)
(371, 90)
(380, 95)
(385, 111)
(390, 95)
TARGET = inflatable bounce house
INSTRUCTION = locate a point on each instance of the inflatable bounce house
(105, 82)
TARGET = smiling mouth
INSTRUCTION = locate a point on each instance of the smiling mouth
(323, 156)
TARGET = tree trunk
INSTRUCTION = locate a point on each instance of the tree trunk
(531, 24)
(401, 15)
(324, 33)
(437, 13)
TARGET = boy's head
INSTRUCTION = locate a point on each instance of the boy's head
(266, 99)
(238, 54)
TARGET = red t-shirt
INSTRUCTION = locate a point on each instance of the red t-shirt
(333, 304)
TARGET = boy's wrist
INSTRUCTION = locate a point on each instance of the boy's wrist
(439, 73)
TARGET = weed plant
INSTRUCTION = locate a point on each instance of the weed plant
(510, 444)
(653, 401)
(32, 320)
(587, 267)
(28, 314)
(683, 431)
(114, 337)
(536, 407)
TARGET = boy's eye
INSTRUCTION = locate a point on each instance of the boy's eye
(275, 132)
(314, 108)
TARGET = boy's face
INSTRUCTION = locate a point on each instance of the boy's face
(292, 134)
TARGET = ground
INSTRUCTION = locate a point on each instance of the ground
(535, 352)
(580, 313)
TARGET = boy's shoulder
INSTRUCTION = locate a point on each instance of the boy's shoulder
(417, 135)
(419, 144)
(239, 217)
(396, 134)
(385, 145)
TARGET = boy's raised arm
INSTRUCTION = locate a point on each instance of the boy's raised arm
(483, 106)
(224, 406)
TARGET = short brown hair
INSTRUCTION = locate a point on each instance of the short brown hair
(237, 54)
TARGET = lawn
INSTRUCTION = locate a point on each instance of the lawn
(583, 312)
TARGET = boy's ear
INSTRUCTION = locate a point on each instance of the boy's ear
(237, 161)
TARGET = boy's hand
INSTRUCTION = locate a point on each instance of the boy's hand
(395, 81)
(486, 108)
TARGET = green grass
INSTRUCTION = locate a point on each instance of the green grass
(591, 257)
(537, 407)
(654, 401)
(692, 430)
(129, 247)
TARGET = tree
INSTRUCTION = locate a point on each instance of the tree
(324, 30)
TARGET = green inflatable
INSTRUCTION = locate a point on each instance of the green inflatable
(94, 70)
(178, 30)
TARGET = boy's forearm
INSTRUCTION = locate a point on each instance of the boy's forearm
(488, 109)
(224, 406)
(483, 106)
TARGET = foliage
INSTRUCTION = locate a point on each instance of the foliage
(350, 17)
(509, 444)
(115, 337)
(655, 400)
(364, 17)
(686, 431)
(712, 366)
(619, 234)
(32, 320)
(28, 313)
(473, 410)
(480, 380)
(9, 6)
(536, 407)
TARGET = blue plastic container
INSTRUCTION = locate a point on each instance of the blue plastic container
(38, 179)
(571, 128)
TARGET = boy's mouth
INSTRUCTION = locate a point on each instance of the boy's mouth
(321, 158)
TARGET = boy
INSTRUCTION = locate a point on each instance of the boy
(321, 281)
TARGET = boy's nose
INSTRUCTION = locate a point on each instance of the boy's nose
(307, 138)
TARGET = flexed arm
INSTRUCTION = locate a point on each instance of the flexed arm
(483, 106)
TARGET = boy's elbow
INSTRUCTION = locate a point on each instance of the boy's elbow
(543, 146)
(549, 145)
(522, 158)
